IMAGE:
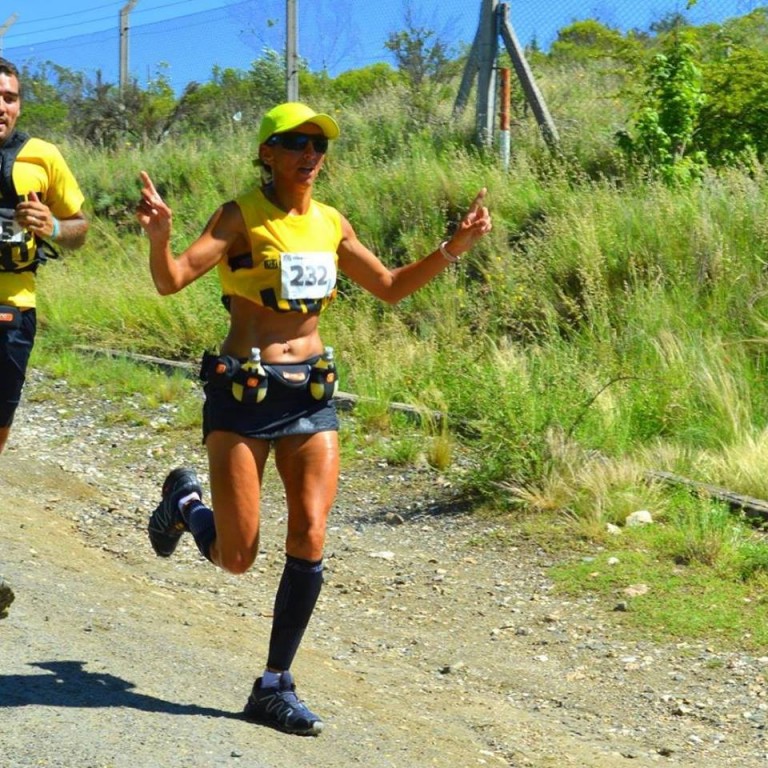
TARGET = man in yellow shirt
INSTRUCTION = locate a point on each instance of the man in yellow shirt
(40, 203)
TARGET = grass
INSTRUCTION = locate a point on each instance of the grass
(703, 571)
(708, 587)
(139, 390)
(605, 328)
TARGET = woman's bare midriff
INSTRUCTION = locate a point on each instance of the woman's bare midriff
(282, 337)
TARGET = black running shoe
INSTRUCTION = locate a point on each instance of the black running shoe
(281, 708)
(166, 524)
(6, 598)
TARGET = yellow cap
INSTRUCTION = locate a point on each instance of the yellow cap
(285, 117)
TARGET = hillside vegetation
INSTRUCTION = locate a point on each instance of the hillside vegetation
(613, 323)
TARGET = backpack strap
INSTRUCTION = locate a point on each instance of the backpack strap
(8, 154)
(9, 199)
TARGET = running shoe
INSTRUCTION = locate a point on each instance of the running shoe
(281, 708)
(166, 524)
(6, 598)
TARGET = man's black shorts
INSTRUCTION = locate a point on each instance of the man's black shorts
(15, 348)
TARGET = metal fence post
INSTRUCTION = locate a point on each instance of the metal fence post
(124, 11)
(291, 50)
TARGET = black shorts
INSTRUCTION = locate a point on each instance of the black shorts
(286, 410)
(15, 348)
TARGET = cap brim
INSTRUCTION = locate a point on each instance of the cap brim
(326, 124)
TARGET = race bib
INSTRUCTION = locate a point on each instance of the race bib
(307, 275)
(10, 231)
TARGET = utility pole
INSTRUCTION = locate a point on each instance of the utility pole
(126, 9)
(292, 50)
(8, 24)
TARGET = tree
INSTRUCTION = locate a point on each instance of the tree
(43, 112)
(672, 22)
(418, 57)
(359, 84)
(733, 124)
(423, 63)
(233, 95)
(590, 39)
(667, 117)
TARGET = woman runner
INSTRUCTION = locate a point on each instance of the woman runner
(277, 251)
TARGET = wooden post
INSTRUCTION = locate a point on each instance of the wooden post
(506, 97)
(488, 46)
(524, 74)
(494, 22)
(468, 77)
(481, 63)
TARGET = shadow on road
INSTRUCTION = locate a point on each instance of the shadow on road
(67, 684)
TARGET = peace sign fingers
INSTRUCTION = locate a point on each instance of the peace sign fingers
(152, 212)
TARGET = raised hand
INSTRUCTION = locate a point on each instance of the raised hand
(475, 224)
(152, 213)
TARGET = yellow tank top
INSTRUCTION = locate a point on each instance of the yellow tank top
(292, 264)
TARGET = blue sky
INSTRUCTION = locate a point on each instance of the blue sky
(333, 34)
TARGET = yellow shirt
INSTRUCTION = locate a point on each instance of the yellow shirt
(40, 168)
(292, 264)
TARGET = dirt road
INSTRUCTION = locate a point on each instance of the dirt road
(433, 644)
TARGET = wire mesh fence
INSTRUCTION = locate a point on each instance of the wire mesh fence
(333, 35)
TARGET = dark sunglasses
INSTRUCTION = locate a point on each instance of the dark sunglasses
(297, 142)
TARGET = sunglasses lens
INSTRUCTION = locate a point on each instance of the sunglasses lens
(297, 142)
(294, 141)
